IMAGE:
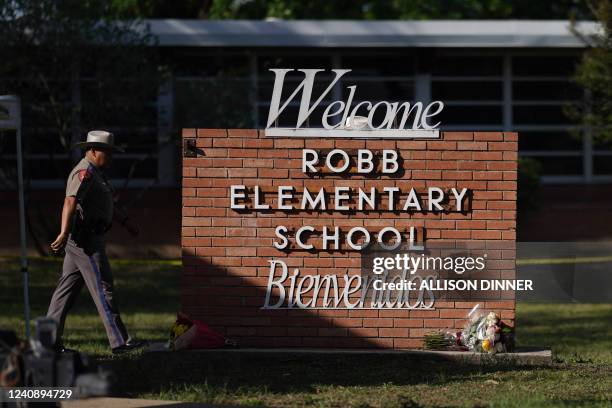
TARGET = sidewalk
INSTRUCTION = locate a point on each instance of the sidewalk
(130, 403)
(524, 356)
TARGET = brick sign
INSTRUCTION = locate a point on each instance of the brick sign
(275, 228)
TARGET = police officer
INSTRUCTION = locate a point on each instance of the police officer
(87, 214)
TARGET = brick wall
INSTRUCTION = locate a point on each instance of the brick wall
(226, 252)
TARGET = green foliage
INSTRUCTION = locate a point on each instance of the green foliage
(594, 74)
(350, 9)
(395, 9)
(435, 341)
(160, 8)
(74, 66)
(529, 171)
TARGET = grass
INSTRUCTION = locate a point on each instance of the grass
(579, 334)
(146, 292)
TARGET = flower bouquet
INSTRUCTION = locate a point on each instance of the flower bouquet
(448, 341)
(486, 333)
(483, 333)
(179, 328)
(188, 333)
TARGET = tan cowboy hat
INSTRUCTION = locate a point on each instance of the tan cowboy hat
(99, 138)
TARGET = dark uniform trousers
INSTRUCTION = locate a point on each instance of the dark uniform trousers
(90, 266)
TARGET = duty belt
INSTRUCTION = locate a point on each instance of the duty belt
(95, 228)
(99, 228)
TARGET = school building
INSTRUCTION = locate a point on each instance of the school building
(491, 76)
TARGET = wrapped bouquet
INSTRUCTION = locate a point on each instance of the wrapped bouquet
(188, 333)
(484, 332)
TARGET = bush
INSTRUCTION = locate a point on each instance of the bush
(529, 172)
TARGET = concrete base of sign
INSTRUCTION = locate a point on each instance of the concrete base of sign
(523, 356)
(107, 402)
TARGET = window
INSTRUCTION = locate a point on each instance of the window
(213, 89)
(127, 107)
(471, 88)
(541, 89)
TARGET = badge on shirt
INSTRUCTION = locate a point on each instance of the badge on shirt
(85, 174)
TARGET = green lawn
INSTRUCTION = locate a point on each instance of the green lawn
(579, 334)
(147, 294)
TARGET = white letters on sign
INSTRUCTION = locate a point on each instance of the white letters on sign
(339, 115)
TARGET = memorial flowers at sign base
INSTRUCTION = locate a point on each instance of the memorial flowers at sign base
(179, 328)
(188, 333)
(483, 333)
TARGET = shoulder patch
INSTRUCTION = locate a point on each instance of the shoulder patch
(84, 174)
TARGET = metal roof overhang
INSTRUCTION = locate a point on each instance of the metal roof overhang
(358, 34)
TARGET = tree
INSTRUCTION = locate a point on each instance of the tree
(594, 74)
(55, 52)
(161, 9)
(350, 9)
(396, 9)
(49, 47)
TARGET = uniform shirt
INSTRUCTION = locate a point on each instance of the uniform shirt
(94, 191)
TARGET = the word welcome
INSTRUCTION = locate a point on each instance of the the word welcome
(339, 113)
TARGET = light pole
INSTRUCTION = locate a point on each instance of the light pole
(10, 118)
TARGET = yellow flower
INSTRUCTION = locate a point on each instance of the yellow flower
(179, 329)
(486, 345)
